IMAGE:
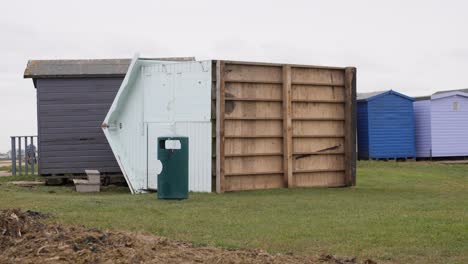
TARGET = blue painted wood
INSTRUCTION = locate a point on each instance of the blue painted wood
(363, 131)
(70, 114)
(449, 126)
(386, 127)
(422, 128)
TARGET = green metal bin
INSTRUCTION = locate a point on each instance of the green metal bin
(173, 152)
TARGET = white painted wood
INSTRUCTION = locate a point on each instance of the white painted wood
(161, 99)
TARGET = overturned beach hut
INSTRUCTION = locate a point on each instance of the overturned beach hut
(385, 125)
(73, 98)
(250, 125)
(442, 124)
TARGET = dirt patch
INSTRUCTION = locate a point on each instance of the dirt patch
(26, 239)
(4, 173)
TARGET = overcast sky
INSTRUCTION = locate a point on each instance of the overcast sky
(415, 47)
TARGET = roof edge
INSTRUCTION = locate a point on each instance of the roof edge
(448, 94)
(84, 68)
(385, 93)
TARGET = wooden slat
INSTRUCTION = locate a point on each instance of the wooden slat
(264, 154)
(318, 84)
(252, 99)
(318, 128)
(252, 118)
(317, 119)
(317, 153)
(253, 136)
(254, 81)
(220, 94)
(317, 171)
(318, 101)
(253, 173)
(253, 145)
(318, 136)
(278, 64)
(240, 183)
(287, 127)
(350, 126)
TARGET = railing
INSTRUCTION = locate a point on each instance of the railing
(29, 155)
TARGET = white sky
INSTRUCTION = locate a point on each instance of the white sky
(414, 47)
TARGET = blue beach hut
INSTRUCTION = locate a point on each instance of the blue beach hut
(385, 123)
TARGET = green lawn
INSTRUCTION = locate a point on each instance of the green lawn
(5, 168)
(403, 212)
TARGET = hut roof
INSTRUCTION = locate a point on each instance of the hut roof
(83, 68)
(373, 95)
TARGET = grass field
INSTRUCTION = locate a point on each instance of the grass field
(403, 212)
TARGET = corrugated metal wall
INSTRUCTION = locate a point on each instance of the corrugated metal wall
(70, 113)
(422, 128)
(449, 126)
(391, 127)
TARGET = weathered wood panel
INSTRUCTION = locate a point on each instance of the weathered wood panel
(284, 126)
(70, 113)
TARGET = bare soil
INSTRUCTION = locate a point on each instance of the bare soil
(25, 238)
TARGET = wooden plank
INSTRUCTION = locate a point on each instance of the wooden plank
(287, 128)
(318, 128)
(249, 109)
(311, 163)
(319, 77)
(318, 101)
(318, 144)
(263, 154)
(278, 64)
(220, 107)
(318, 170)
(242, 182)
(251, 173)
(253, 118)
(326, 93)
(317, 83)
(254, 90)
(318, 110)
(252, 165)
(253, 136)
(318, 119)
(253, 145)
(318, 136)
(252, 74)
(320, 179)
(350, 126)
(254, 81)
(296, 153)
(252, 99)
(253, 127)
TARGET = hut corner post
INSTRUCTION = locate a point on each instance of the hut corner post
(220, 94)
(350, 126)
(287, 128)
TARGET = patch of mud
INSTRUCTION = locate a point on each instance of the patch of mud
(25, 239)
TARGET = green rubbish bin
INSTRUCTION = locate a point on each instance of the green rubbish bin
(173, 152)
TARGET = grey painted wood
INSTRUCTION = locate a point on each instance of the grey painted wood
(66, 153)
(61, 124)
(79, 170)
(48, 148)
(70, 113)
